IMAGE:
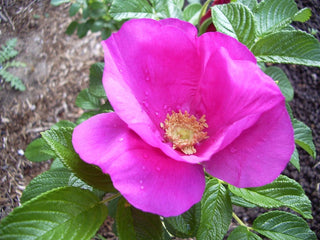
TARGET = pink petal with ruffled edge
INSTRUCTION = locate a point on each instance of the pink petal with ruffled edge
(259, 154)
(233, 98)
(147, 178)
(158, 73)
(167, 68)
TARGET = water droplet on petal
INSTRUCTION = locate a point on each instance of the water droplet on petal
(157, 114)
(141, 187)
(140, 181)
(120, 139)
(147, 78)
(146, 104)
(146, 93)
(165, 107)
(158, 169)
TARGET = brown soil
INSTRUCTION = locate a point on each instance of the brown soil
(58, 68)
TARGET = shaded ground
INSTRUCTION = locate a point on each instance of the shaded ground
(58, 68)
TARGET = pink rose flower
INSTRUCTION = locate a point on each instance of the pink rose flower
(184, 104)
(211, 27)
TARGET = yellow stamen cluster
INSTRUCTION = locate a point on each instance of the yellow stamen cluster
(184, 131)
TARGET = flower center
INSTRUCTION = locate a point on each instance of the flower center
(184, 131)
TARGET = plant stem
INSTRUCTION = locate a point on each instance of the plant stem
(111, 198)
(238, 219)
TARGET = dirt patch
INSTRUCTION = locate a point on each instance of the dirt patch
(58, 68)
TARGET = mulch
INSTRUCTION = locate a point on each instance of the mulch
(58, 68)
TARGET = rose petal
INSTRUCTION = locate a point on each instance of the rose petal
(259, 154)
(149, 79)
(233, 94)
(147, 178)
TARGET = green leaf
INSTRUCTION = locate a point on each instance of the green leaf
(14, 81)
(63, 213)
(215, 208)
(57, 164)
(14, 63)
(192, 13)
(239, 201)
(235, 20)
(97, 9)
(278, 225)
(131, 9)
(72, 27)
(38, 151)
(251, 4)
(83, 28)
(146, 225)
(60, 142)
(296, 47)
(154, 9)
(87, 101)
(95, 82)
(74, 8)
(278, 75)
(295, 159)
(283, 192)
(303, 137)
(63, 124)
(134, 224)
(303, 15)
(185, 225)
(7, 51)
(179, 3)
(85, 116)
(55, 178)
(166, 9)
(124, 221)
(274, 15)
(242, 233)
(58, 2)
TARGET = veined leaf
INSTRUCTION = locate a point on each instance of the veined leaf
(251, 4)
(239, 201)
(296, 47)
(192, 13)
(278, 75)
(274, 15)
(38, 150)
(185, 225)
(281, 192)
(242, 233)
(303, 137)
(55, 178)
(134, 224)
(278, 225)
(63, 213)
(124, 221)
(303, 15)
(235, 20)
(87, 101)
(63, 124)
(295, 159)
(215, 208)
(155, 9)
(95, 83)
(60, 142)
